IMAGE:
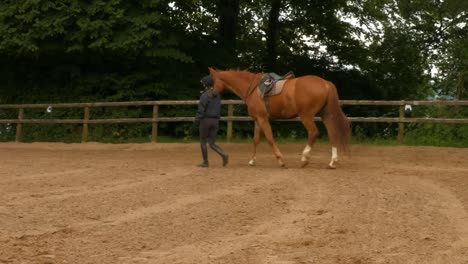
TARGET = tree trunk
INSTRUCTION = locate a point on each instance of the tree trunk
(461, 86)
(228, 11)
(272, 35)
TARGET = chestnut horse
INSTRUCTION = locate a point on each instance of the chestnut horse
(303, 96)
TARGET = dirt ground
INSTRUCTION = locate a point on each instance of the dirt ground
(149, 203)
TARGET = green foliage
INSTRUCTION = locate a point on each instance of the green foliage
(88, 51)
(439, 134)
(454, 135)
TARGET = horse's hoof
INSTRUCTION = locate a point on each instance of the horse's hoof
(332, 165)
(304, 163)
(252, 163)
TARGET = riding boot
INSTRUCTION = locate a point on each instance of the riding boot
(204, 151)
(221, 153)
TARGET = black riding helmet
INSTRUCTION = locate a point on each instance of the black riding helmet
(207, 81)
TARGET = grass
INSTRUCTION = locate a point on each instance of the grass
(410, 141)
(324, 140)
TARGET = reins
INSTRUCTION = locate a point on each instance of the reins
(251, 89)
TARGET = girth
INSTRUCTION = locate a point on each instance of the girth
(272, 84)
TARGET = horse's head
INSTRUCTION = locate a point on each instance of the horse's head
(219, 84)
(240, 82)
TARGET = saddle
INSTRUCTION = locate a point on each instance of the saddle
(272, 84)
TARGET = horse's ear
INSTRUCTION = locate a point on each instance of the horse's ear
(211, 70)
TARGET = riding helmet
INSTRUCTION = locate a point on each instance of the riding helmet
(207, 81)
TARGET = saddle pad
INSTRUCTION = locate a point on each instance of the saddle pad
(277, 88)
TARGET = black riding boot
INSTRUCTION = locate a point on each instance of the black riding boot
(204, 151)
(221, 153)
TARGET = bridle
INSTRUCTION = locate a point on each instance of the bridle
(251, 88)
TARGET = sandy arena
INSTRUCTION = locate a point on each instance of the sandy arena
(149, 203)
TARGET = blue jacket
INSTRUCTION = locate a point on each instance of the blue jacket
(209, 107)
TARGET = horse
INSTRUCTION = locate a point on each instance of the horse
(302, 97)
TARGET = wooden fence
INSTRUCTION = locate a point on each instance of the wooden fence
(230, 118)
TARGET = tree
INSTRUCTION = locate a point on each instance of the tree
(73, 50)
(88, 48)
(272, 34)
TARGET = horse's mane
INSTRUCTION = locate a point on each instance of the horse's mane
(246, 74)
(244, 71)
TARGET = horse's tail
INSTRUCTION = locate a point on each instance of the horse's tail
(338, 127)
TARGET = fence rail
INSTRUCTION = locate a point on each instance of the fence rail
(230, 118)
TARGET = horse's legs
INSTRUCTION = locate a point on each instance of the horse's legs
(334, 156)
(257, 135)
(312, 132)
(265, 125)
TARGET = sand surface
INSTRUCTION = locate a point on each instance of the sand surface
(149, 203)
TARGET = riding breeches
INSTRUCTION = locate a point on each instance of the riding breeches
(208, 133)
(209, 129)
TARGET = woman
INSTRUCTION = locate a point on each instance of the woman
(207, 118)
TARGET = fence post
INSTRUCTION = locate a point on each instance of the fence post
(19, 125)
(229, 122)
(154, 130)
(84, 137)
(401, 125)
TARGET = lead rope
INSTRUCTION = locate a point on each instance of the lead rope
(266, 99)
(250, 90)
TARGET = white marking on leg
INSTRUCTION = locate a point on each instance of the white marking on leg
(334, 158)
(334, 154)
(306, 153)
